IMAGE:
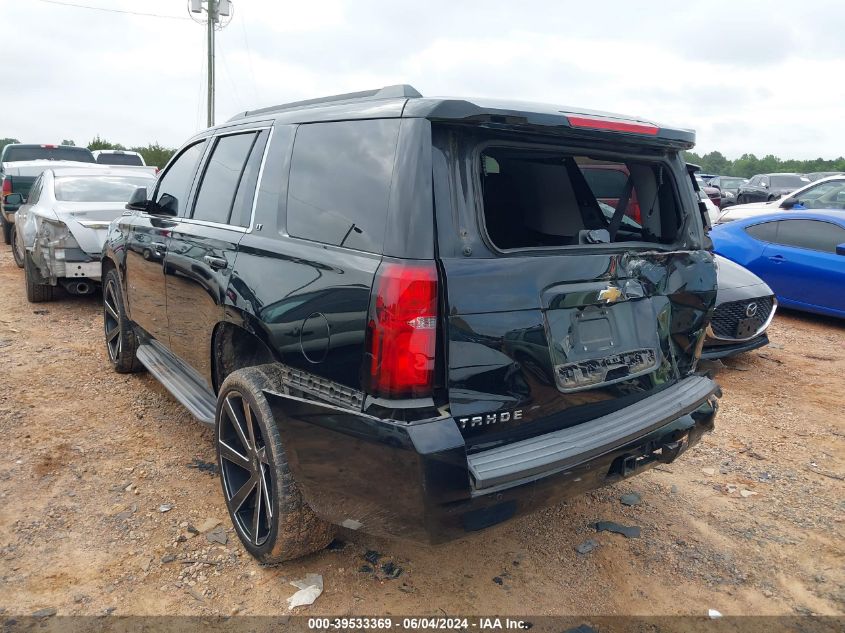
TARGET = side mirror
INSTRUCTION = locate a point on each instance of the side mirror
(14, 199)
(764, 185)
(789, 203)
(138, 200)
(840, 250)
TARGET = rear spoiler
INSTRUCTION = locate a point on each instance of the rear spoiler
(552, 122)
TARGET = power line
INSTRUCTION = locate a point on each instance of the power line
(145, 15)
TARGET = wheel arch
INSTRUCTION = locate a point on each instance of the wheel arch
(234, 347)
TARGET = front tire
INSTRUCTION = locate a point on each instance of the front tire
(121, 342)
(18, 250)
(36, 292)
(270, 516)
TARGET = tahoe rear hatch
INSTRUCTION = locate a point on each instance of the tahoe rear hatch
(561, 308)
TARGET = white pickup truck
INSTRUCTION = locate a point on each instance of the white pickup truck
(123, 158)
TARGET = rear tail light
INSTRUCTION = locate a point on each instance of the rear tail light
(7, 186)
(402, 330)
(612, 125)
(635, 212)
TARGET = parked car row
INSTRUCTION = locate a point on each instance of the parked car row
(407, 316)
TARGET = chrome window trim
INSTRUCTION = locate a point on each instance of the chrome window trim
(259, 179)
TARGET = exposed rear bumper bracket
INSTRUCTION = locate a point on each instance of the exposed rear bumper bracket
(536, 457)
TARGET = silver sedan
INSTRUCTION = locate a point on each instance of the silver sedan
(61, 226)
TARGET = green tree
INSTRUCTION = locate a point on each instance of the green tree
(101, 143)
(155, 154)
(7, 141)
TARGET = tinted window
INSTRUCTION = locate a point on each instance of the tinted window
(766, 232)
(340, 182)
(36, 152)
(221, 178)
(175, 185)
(242, 208)
(812, 234)
(98, 188)
(120, 159)
(789, 181)
(605, 183)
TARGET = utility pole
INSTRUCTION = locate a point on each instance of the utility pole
(212, 18)
(214, 9)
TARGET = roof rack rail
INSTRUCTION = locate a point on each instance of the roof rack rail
(388, 92)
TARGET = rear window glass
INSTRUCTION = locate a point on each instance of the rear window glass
(340, 182)
(535, 198)
(16, 154)
(98, 188)
(120, 159)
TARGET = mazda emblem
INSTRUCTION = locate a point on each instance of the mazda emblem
(751, 310)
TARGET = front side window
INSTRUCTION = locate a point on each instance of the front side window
(98, 188)
(175, 185)
(815, 235)
(222, 175)
(826, 195)
(340, 182)
(543, 197)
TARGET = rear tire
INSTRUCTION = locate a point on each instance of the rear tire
(270, 516)
(121, 342)
(35, 292)
(18, 250)
(7, 230)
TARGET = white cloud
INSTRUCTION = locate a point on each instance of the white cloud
(749, 77)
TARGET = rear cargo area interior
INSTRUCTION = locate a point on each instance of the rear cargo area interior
(536, 198)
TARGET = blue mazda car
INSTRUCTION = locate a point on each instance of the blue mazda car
(801, 255)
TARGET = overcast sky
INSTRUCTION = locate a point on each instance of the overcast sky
(748, 76)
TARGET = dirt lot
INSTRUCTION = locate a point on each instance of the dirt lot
(750, 521)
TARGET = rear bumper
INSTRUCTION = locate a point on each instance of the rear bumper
(416, 481)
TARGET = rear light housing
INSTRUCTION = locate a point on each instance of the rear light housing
(612, 125)
(7, 186)
(402, 330)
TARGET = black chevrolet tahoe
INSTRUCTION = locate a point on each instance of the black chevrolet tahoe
(412, 316)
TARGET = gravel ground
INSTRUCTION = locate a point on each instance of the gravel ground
(110, 503)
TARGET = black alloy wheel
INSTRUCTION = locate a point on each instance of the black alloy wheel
(245, 469)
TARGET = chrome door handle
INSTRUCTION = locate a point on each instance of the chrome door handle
(216, 263)
(158, 246)
(777, 258)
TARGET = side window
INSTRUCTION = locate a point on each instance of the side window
(222, 175)
(35, 190)
(811, 234)
(242, 207)
(754, 182)
(174, 187)
(340, 182)
(765, 232)
(764, 180)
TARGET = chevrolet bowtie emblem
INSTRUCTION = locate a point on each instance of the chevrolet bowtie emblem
(611, 294)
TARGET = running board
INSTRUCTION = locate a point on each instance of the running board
(179, 381)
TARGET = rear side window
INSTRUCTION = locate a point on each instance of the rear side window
(175, 185)
(815, 235)
(765, 232)
(543, 197)
(340, 182)
(222, 174)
